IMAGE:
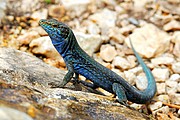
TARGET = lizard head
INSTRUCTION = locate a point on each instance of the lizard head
(57, 31)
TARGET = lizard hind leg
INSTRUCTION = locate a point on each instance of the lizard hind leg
(119, 91)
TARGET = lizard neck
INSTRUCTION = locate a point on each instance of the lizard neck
(66, 46)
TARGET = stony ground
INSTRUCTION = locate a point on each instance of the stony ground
(103, 29)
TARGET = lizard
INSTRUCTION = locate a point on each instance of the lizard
(78, 62)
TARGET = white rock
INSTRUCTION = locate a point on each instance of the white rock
(161, 74)
(155, 106)
(164, 110)
(44, 46)
(130, 77)
(171, 91)
(3, 4)
(171, 86)
(136, 70)
(175, 77)
(40, 14)
(105, 19)
(91, 27)
(176, 40)
(132, 60)
(88, 42)
(121, 63)
(179, 111)
(115, 35)
(8, 113)
(127, 29)
(175, 98)
(26, 38)
(107, 52)
(172, 25)
(75, 7)
(161, 88)
(149, 40)
(136, 106)
(166, 60)
(178, 88)
(176, 67)
(139, 4)
(141, 82)
(163, 98)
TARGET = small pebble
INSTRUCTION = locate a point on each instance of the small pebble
(161, 88)
(164, 110)
(141, 82)
(121, 63)
(176, 67)
(155, 106)
(161, 74)
(107, 52)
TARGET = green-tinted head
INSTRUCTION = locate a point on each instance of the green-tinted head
(57, 31)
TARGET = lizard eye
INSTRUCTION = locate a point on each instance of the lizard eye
(55, 25)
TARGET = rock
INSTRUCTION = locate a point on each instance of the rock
(56, 11)
(175, 98)
(155, 106)
(136, 70)
(105, 19)
(107, 52)
(22, 68)
(26, 38)
(22, 7)
(164, 110)
(155, 41)
(175, 77)
(164, 59)
(132, 60)
(176, 41)
(3, 7)
(141, 82)
(13, 114)
(43, 46)
(176, 67)
(89, 43)
(75, 8)
(40, 14)
(121, 63)
(161, 88)
(163, 98)
(127, 29)
(172, 25)
(40, 30)
(178, 88)
(115, 35)
(25, 84)
(171, 86)
(161, 74)
(130, 77)
(91, 27)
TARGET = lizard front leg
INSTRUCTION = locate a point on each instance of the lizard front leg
(66, 78)
(119, 91)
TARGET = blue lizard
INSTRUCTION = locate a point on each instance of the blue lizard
(79, 62)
